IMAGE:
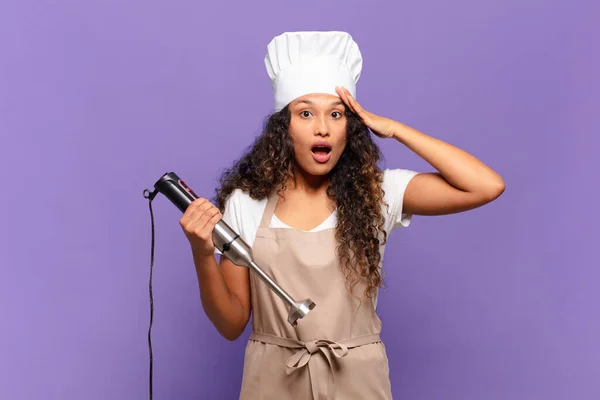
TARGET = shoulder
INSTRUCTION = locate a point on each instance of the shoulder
(240, 198)
(394, 185)
(397, 178)
(243, 214)
(239, 204)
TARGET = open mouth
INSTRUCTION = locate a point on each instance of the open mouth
(321, 152)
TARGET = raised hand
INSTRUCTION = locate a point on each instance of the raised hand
(380, 126)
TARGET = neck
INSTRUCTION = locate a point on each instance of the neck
(311, 184)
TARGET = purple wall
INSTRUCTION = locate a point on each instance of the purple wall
(99, 98)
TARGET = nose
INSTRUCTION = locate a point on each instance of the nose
(321, 126)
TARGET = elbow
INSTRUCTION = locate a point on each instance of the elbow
(234, 331)
(499, 188)
(494, 190)
(232, 336)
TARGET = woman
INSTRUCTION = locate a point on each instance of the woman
(310, 199)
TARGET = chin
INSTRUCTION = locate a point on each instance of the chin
(318, 169)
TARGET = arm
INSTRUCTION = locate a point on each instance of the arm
(224, 290)
(462, 182)
(225, 294)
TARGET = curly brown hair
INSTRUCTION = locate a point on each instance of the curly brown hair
(355, 185)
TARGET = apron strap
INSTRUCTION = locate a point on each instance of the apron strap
(269, 210)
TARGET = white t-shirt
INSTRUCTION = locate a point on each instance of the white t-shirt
(243, 214)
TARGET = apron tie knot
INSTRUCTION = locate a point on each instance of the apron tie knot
(305, 350)
(301, 357)
(315, 345)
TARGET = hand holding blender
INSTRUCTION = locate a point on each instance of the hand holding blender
(197, 222)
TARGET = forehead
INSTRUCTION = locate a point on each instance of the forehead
(320, 99)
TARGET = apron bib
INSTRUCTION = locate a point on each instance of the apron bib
(335, 352)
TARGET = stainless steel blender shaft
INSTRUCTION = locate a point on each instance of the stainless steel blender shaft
(232, 246)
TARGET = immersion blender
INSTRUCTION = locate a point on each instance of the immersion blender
(230, 244)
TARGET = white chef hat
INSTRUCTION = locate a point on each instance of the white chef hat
(300, 63)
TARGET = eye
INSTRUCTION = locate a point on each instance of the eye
(336, 114)
(305, 114)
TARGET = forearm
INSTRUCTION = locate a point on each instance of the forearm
(457, 167)
(220, 305)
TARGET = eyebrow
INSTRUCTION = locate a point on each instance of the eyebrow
(333, 103)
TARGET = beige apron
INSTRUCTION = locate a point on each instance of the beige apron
(335, 352)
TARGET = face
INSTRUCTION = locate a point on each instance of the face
(318, 130)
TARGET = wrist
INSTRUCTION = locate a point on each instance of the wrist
(399, 131)
(202, 254)
(404, 133)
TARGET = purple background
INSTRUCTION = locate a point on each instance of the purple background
(99, 98)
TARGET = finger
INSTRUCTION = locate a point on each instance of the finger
(196, 213)
(191, 209)
(364, 115)
(207, 223)
(198, 210)
(200, 213)
(354, 104)
(342, 93)
(207, 216)
(348, 97)
(194, 205)
(212, 221)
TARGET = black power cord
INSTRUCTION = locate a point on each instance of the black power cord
(150, 196)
